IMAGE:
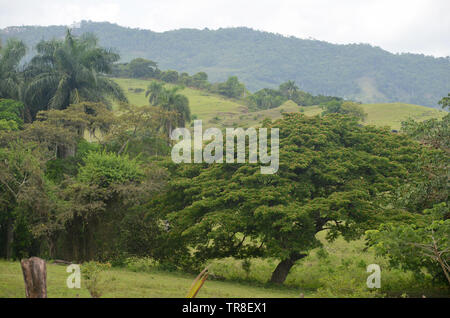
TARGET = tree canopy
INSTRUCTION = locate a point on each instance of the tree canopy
(69, 72)
(333, 175)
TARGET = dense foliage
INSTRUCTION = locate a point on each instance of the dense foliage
(424, 245)
(344, 107)
(334, 174)
(267, 98)
(64, 197)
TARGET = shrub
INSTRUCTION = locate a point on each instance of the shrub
(103, 169)
(94, 281)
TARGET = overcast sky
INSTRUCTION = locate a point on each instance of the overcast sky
(418, 26)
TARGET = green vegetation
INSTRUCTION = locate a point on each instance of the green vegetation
(332, 175)
(315, 276)
(11, 114)
(174, 104)
(424, 244)
(87, 177)
(128, 283)
(201, 103)
(394, 114)
(232, 112)
(63, 72)
(10, 58)
(359, 72)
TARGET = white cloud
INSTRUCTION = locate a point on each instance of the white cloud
(419, 26)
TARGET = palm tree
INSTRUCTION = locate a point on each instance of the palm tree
(288, 89)
(154, 91)
(171, 100)
(69, 72)
(174, 105)
(10, 77)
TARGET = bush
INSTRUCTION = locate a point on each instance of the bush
(140, 264)
(337, 286)
(103, 169)
(95, 283)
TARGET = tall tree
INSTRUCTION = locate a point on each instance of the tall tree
(154, 92)
(170, 100)
(69, 72)
(10, 78)
(288, 89)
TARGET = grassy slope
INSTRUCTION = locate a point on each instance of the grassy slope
(394, 113)
(203, 104)
(218, 111)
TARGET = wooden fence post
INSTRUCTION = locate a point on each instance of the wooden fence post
(35, 276)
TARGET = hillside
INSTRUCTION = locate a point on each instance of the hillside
(215, 110)
(260, 59)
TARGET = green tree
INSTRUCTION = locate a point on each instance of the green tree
(424, 245)
(288, 89)
(333, 175)
(23, 196)
(175, 104)
(266, 98)
(154, 91)
(445, 101)
(231, 88)
(11, 114)
(69, 72)
(137, 131)
(200, 80)
(61, 130)
(10, 77)
(345, 108)
(106, 187)
(169, 76)
(141, 68)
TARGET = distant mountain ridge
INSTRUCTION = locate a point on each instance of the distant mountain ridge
(261, 59)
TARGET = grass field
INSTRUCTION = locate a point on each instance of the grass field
(392, 114)
(218, 111)
(338, 269)
(126, 283)
(203, 104)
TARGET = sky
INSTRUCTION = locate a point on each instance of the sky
(416, 26)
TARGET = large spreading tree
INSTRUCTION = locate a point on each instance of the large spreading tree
(334, 175)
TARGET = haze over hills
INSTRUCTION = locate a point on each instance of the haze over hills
(261, 59)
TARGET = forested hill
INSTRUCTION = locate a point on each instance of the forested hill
(261, 59)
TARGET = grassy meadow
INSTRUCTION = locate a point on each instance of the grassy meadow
(218, 111)
(336, 269)
(126, 283)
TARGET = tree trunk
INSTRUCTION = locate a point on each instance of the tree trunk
(282, 270)
(35, 277)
